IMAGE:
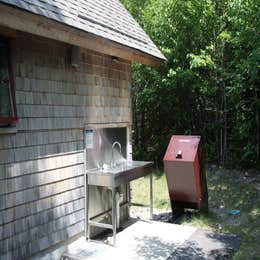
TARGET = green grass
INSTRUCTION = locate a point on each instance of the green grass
(141, 192)
(227, 190)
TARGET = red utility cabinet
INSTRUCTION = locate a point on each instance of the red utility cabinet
(184, 168)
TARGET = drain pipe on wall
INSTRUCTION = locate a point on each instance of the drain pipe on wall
(119, 199)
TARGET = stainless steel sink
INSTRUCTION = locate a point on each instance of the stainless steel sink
(121, 173)
(108, 164)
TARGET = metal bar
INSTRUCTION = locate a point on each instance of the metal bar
(108, 211)
(86, 208)
(129, 197)
(151, 195)
(117, 209)
(114, 215)
(99, 224)
(87, 201)
(140, 205)
(86, 193)
(106, 125)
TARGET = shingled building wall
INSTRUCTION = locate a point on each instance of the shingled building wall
(41, 166)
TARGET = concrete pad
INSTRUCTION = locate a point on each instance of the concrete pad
(207, 245)
(142, 240)
(151, 240)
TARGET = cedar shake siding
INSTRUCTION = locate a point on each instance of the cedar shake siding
(42, 165)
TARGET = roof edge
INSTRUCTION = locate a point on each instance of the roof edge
(21, 20)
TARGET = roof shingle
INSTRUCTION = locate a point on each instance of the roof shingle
(105, 18)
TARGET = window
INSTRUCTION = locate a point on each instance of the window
(8, 114)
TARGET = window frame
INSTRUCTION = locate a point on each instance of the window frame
(13, 119)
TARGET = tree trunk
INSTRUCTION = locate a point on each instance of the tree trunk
(135, 123)
(257, 127)
(224, 124)
(224, 107)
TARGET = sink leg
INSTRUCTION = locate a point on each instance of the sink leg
(119, 199)
(87, 226)
(151, 196)
(114, 215)
(129, 198)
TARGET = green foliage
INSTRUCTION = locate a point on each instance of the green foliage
(209, 84)
(140, 191)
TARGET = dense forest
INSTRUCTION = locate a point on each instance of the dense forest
(208, 86)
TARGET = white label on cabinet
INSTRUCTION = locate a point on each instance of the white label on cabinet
(89, 139)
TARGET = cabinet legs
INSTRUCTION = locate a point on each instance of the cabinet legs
(151, 196)
(115, 210)
(114, 214)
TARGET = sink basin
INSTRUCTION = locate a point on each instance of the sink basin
(120, 174)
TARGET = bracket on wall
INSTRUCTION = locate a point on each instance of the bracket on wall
(114, 58)
(75, 56)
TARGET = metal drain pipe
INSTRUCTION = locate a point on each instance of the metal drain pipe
(119, 199)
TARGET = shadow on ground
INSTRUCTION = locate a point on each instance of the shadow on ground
(208, 245)
(153, 248)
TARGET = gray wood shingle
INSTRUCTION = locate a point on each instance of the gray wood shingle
(104, 18)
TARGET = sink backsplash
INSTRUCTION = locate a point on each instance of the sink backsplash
(98, 144)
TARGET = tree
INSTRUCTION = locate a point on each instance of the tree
(208, 86)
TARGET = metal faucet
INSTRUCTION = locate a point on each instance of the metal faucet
(113, 148)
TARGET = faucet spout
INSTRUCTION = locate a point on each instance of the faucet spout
(113, 155)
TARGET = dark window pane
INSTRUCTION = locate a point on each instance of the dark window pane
(6, 109)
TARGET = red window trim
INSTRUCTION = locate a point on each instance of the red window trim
(14, 118)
